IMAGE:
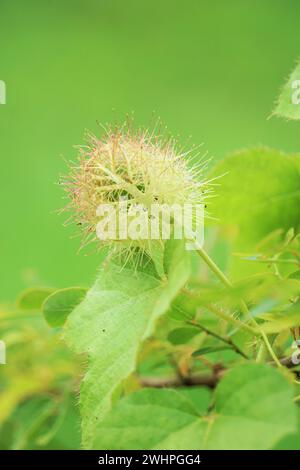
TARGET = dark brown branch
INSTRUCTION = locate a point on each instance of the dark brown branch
(207, 380)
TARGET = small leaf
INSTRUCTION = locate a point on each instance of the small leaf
(295, 275)
(60, 304)
(183, 308)
(182, 335)
(33, 298)
(208, 350)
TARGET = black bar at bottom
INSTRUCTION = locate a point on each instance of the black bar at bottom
(132, 459)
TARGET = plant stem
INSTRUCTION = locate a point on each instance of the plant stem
(227, 341)
(274, 260)
(261, 355)
(224, 316)
(216, 270)
(230, 319)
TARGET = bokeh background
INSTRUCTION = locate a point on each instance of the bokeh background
(211, 69)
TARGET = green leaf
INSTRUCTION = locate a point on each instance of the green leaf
(253, 410)
(289, 442)
(280, 321)
(42, 422)
(182, 335)
(117, 315)
(183, 308)
(295, 275)
(60, 304)
(33, 298)
(199, 396)
(277, 293)
(208, 350)
(259, 192)
(288, 103)
(149, 419)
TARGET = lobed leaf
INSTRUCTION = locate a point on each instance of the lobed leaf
(117, 315)
(254, 410)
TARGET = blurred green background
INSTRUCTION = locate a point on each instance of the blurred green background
(210, 69)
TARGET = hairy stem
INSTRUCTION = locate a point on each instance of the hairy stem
(214, 268)
(221, 276)
(230, 319)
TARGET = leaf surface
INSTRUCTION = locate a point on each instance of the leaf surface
(259, 192)
(117, 315)
(60, 303)
(254, 410)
